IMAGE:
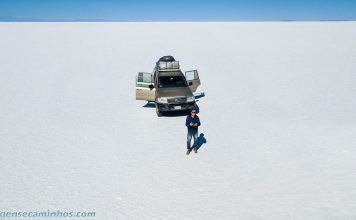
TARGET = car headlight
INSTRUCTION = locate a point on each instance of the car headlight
(191, 99)
(162, 100)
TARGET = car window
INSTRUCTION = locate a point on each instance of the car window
(190, 75)
(171, 81)
(144, 78)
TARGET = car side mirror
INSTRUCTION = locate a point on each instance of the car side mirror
(190, 83)
(151, 87)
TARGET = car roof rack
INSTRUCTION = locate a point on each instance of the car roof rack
(167, 66)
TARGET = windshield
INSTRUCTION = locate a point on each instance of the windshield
(171, 81)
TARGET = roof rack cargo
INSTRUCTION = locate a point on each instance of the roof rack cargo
(167, 58)
(168, 65)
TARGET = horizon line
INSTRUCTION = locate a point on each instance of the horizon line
(24, 19)
(118, 21)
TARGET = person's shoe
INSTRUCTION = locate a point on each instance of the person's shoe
(188, 151)
(195, 150)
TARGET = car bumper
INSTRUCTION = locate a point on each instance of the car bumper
(175, 106)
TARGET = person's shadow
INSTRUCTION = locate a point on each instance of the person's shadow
(201, 140)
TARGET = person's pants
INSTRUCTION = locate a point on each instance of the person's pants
(194, 134)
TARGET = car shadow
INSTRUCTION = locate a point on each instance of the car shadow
(150, 105)
(175, 114)
(201, 140)
(199, 95)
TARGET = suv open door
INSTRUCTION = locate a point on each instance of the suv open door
(193, 80)
(143, 83)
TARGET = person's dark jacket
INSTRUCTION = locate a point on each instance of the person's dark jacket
(194, 121)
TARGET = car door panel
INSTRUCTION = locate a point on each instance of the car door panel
(193, 79)
(143, 92)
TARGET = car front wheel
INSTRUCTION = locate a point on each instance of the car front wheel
(158, 112)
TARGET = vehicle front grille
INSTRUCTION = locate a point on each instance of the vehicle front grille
(177, 100)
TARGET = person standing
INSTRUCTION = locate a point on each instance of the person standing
(192, 122)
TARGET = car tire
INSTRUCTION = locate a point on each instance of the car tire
(158, 112)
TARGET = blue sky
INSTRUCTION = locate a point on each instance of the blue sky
(179, 10)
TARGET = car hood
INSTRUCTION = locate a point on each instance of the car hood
(174, 92)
